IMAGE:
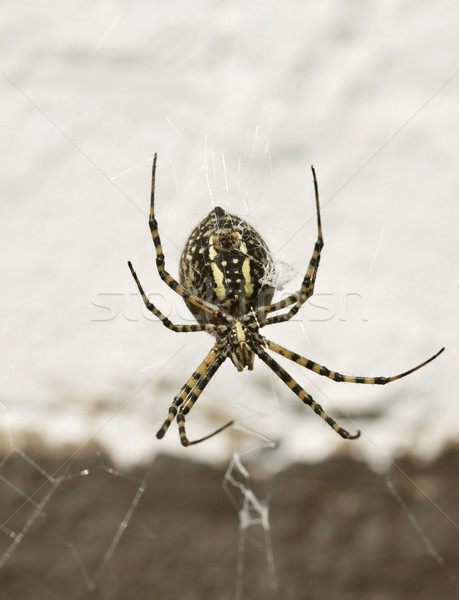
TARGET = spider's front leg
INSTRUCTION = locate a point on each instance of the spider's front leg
(191, 391)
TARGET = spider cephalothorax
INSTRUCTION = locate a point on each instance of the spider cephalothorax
(241, 340)
(223, 272)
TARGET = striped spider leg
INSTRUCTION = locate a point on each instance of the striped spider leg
(324, 371)
(164, 320)
(259, 342)
(321, 370)
(307, 287)
(195, 385)
(191, 391)
(301, 393)
(216, 312)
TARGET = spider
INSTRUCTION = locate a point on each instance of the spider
(221, 281)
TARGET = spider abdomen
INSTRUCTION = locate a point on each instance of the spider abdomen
(224, 262)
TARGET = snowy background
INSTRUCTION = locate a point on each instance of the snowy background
(238, 99)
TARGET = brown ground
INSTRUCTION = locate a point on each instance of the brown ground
(337, 532)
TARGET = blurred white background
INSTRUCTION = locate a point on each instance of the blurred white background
(238, 99)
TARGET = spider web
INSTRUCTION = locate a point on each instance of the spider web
(109, 533)
(68, 509)
(253, 513)
(82, 524)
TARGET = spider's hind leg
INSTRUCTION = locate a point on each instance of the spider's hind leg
(307, 287)
(211, 309)
(160, 259)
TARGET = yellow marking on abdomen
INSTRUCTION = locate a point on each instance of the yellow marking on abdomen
(212, 252)
(218, 278)
(248, 285)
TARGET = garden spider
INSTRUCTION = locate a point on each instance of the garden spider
(221, 273)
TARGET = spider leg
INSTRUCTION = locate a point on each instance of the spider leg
(321, 370)
(215, 311)
(193, 396)
(307, 287)
(191, 391)
(184, 439)
(187, 389)
(302, 394)
(164, 320)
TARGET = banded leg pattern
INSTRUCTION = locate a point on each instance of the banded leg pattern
(302, 394)
(321, 370)
(191, 391)
(307, 287)
(164, 320)
(212, 309)
(187, 389)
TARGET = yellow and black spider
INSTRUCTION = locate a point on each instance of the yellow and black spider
(222, 269)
